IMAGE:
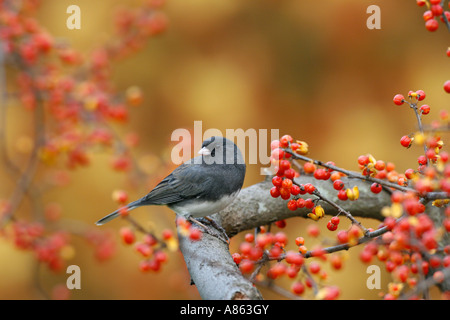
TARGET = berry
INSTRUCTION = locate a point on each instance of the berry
(331, 226)
(431, 25)
(246, 266)
(314, 267)
(309, 167)
(342, 195)
(127, 235)
(342, 236)
(335, 220)
(309, 203)
(447, 84)
(284, 165)
(399, 99)
(287, 183)
(277, 154)
(292, 205)
(285, 140)
(363, 160)
(295, 190)
(309, 188)
(437, 10)
(406, 141)
(420, 95)
(338, 184)
(376, 187)
(427, 15)
(277, 181)
(300, 203)
(425, 109)
(275, 192)
(298, 287)
(422, 160)
(299, 241)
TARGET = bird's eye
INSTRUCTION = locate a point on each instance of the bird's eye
(213, 152)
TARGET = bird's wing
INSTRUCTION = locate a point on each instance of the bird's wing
(185, 182)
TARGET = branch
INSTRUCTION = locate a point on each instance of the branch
(255, 207)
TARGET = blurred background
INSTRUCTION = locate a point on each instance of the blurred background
(310, 69)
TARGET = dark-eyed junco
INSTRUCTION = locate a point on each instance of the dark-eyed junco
(199, 187)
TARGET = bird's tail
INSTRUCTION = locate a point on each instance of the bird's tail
(115, 214)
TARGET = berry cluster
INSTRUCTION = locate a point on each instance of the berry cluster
(72, 91)
(434, 13)
(257, 250)
(408, 241)
(150, 247)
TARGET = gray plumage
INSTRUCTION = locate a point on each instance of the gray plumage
(199, 187)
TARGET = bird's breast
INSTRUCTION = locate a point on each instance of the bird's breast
(200, 208)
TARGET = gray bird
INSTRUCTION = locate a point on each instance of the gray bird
(201, 186)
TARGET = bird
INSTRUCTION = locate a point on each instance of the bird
(199, 187)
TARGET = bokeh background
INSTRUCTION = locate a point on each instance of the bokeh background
(311, 69)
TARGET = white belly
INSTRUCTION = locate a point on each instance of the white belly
(203, 209)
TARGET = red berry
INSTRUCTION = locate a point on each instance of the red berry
(431, 25)
(437, 10)
(420, 95)
(237, 258)
(300, 203)
(275, 192)
(335, 220)
(342, 236)
(342, 195)
(309, 188)
(331, 226)
(287, 183)
(427, 15)
(338, 184)
(422, 160)
(127, 235)
(285, 140)
(298, 287)
(309, 167)
(376, 187)
(314, 267)
(425, 109)
(195, 234)
(406, 141)
(447, 85)
(284, 165)
(363, 160)
(246, 266)
(277, 154)
(277, 181)
(295, 190)
(399, 99)
(292, 205)
(309, 203)
(289, 173)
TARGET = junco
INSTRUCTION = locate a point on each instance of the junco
(199, 187)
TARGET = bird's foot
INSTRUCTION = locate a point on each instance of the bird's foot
(223, 236)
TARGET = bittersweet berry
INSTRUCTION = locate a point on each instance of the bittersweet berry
(406, 141)
(376, 187)
(399, 99)
(447, 85)
(425, 109)
(432, 25)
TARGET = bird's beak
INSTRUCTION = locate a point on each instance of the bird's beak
(204, 151)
